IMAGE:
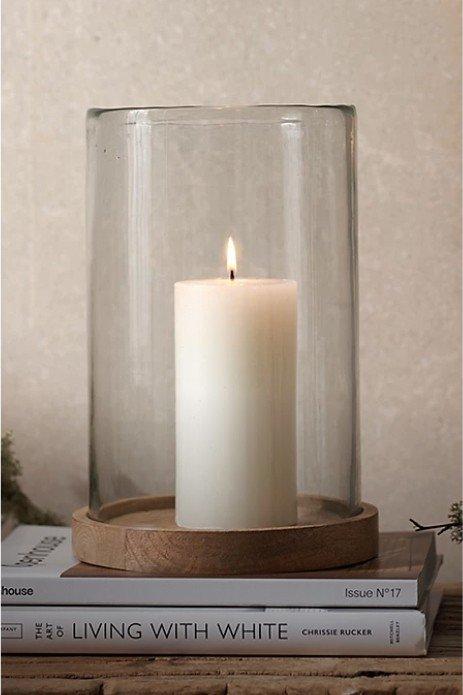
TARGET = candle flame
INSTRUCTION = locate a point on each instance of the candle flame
(231, 258)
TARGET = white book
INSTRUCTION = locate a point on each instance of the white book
(303, 631)
(38, 567)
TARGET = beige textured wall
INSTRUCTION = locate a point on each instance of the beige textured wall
(396, 60)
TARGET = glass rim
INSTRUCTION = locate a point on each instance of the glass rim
(159, 114)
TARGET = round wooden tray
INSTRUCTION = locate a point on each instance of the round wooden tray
(139, 534)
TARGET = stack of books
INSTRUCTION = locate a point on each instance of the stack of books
(54, 604)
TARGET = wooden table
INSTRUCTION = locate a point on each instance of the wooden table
(438, 673)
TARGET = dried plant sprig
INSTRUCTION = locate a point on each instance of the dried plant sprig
(454, 524)
(456, 517)
(14, 501)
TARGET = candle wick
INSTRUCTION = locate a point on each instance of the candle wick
(232, 274)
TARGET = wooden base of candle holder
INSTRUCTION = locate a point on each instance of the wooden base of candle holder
(140, 535)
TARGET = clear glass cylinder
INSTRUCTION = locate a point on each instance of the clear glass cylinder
(166, 188)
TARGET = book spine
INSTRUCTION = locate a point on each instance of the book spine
(313, 593)
(213, 631)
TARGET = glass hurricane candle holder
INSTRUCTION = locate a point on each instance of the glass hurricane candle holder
(223, 322)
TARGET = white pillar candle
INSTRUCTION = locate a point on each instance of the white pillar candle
(235, 360)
